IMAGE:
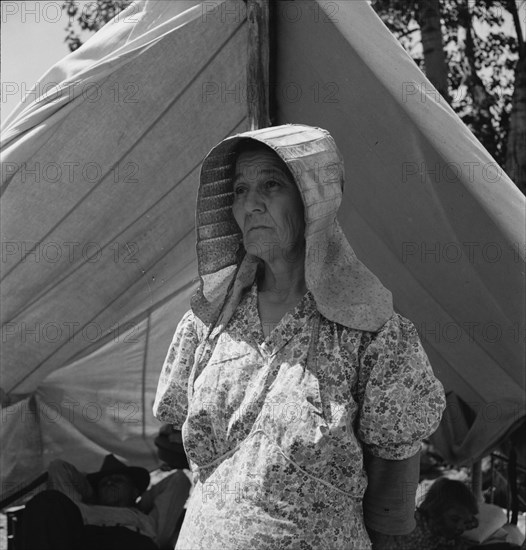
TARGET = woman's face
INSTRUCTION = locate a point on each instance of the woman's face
(455, 520)
(267, 206)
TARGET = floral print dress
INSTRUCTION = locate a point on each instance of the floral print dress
(275, 427)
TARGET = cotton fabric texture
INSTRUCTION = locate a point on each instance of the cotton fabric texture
(276, 427)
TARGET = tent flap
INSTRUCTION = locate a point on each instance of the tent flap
(97, 219)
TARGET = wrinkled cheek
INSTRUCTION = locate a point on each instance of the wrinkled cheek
(292, 233)
(236, 214)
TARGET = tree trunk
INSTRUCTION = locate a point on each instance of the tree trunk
(516, 146)
(434, 55)
(482, 121)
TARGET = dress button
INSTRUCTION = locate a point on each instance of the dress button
(324, 430)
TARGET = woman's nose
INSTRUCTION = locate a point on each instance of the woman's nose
(253, 201)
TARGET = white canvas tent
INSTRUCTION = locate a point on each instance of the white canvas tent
(99, 181)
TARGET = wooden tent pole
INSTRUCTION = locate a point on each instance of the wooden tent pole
(258, 63)
(476, 481)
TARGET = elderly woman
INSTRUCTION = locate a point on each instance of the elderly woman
(291, 376)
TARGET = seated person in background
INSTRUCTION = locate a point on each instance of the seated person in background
(170, 447)
(170, 451)
(99, 511)
(449, 509)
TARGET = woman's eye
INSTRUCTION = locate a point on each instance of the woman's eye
(270, 184)
(239, 190)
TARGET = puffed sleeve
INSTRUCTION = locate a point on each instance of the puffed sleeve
(171, 399)
(401, 400)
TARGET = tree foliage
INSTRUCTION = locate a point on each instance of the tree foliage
(90, 17)
(482, 43)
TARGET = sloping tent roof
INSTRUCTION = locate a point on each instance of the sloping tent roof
(99, 184)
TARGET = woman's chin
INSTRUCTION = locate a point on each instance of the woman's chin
(263, 250)
(271, 252)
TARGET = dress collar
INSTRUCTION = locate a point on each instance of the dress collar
(291, 324)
